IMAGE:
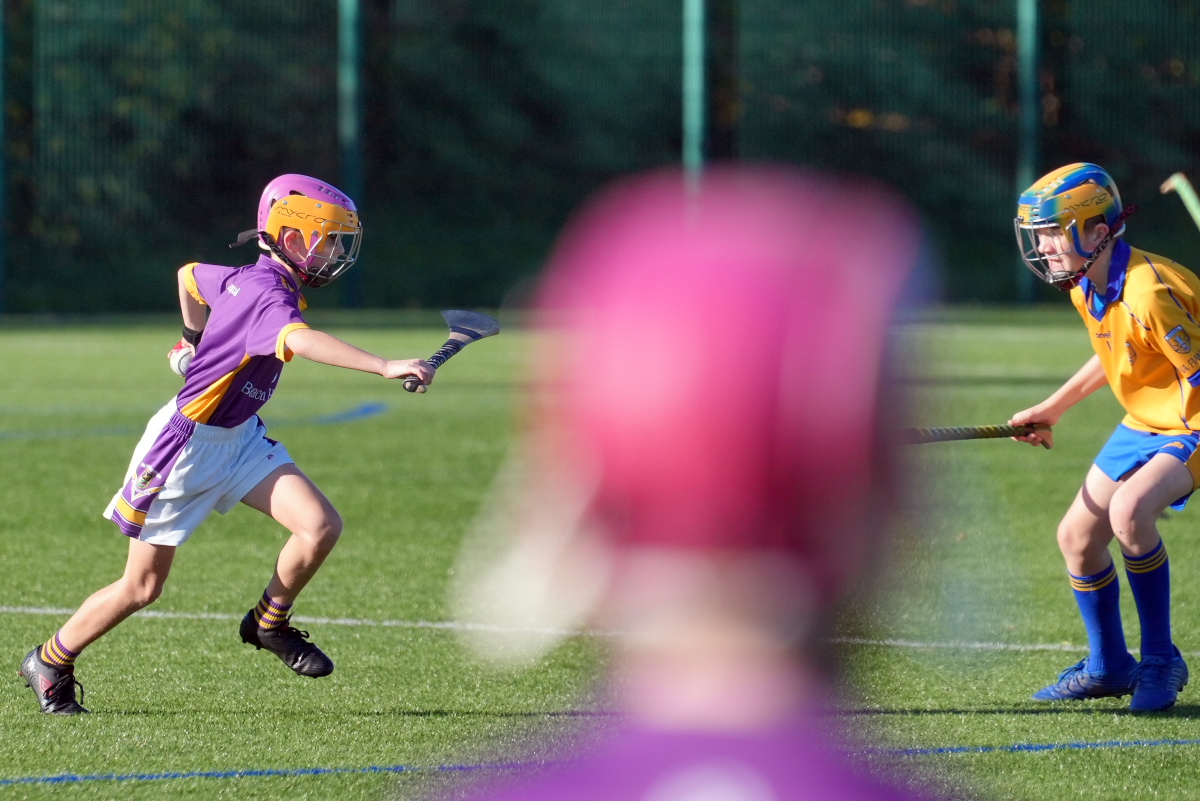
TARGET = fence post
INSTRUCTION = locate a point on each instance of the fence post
(693, 88)
(350, 121)
(1030, 124)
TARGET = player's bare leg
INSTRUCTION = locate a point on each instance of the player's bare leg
(146, 571)
(1139, 501)
(1134, 511)
(288, 496)
(50, 669)
(1085, 530)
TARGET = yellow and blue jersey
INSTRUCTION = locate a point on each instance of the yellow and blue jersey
(1143, 326)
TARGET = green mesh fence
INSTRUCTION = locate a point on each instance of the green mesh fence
(139, 132)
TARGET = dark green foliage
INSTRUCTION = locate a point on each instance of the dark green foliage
(140, 132)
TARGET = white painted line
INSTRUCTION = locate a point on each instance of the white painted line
(329, 621)
(450, 625)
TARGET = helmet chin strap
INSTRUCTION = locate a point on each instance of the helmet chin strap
(1069, 281)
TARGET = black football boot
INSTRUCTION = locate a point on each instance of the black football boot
(289, 644)
(55, 688)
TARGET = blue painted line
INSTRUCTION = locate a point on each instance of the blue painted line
(350, 415)
(1025, 747)
(357, 413)
(75, 778)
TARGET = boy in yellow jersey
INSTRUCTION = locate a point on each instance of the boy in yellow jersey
(1141, 313)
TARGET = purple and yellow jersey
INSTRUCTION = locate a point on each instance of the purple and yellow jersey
(1144, 328)
(237, 366)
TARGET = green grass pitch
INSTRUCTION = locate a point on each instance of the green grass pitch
(182, 694)
(980, 565)
(185, 695)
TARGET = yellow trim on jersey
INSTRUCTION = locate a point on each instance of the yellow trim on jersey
(301, 302)
(282, 351)
(204, 404)
(129, 513)
(189, 282)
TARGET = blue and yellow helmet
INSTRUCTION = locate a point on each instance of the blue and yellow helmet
(1066, 199)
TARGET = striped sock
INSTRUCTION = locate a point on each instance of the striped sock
(1099, 600)
(270, 614)
(1150, 580)
(55, 654)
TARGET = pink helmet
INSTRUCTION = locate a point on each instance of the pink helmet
(295, 184)
(720, 360)
(326, 218)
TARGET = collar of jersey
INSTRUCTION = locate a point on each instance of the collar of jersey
(265, 260)
(1117, 270)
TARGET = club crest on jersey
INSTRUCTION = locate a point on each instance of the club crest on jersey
(1179, 340)
(1131, 353)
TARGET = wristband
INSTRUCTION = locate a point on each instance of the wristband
(192, 337)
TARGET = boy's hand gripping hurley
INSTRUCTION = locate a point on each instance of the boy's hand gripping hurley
(465, 328)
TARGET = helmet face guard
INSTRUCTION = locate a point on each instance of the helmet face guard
(331, 237)
(1060, 203)
(1044, 265)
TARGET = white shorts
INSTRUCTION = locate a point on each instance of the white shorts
(183, 470)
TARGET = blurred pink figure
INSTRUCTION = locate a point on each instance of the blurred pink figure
(714, 393)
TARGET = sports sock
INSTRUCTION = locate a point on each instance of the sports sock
(1099, 600)
(1150, 580)
(269, 614)
(55, 654)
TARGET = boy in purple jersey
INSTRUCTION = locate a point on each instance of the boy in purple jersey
(207, 449)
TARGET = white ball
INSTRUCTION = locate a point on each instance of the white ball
(180, 359)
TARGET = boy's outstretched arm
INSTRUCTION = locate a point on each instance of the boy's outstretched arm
(320, 347)
(1086, 380)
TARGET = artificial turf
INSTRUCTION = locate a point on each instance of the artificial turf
(977, 563)
(184, 695)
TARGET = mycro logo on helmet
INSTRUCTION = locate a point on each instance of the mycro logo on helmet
(1096, 199)
(287, 212)
(1179, 340)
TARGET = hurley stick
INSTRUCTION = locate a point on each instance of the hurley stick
(465, 328)
(920, 436)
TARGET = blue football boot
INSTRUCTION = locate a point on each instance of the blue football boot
(1077, 683)
(1160, 680)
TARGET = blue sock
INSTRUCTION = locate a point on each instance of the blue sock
(1150, 579)
(1099, 599)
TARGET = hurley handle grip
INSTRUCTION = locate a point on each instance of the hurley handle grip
(918, 436)
(451, 347)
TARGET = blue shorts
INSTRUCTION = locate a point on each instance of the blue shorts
(1128, 449)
